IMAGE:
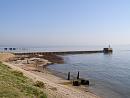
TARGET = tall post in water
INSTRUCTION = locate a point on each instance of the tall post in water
(68, 75)
(78, 75)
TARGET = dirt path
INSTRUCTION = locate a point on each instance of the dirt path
(53, 89)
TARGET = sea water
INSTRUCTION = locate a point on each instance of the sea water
(109, 74)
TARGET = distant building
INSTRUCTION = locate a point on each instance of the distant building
(5, 49)
(10, 49)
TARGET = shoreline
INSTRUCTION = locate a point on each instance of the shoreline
(55, 86)
(59, 87)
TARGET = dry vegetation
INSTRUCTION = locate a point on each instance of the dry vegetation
(6, 56)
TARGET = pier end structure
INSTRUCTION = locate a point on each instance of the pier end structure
(107, 50)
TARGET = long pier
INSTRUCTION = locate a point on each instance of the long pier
(105, 50)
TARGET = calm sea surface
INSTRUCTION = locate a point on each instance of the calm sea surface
(109, 74)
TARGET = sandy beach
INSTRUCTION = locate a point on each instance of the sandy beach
(55, 87)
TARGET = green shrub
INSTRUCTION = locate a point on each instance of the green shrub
(39, 84)
(30, 90)
(42, 96)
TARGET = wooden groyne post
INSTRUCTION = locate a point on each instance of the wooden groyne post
(68, 75)
(78, 75)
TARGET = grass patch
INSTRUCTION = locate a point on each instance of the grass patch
(13, 84)
(17, 73)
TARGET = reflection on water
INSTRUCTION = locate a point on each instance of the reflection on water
(109, 73)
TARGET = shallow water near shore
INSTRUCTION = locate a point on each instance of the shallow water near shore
(109, 74)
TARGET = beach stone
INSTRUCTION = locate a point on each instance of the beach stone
(76, 83)
(84, 82)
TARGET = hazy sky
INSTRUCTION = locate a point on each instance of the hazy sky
(64, 22)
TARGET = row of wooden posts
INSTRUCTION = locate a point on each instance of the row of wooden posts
(79, 81)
